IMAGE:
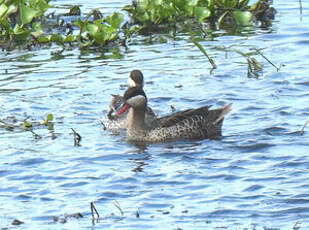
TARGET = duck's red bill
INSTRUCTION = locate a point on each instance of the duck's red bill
(124, 108)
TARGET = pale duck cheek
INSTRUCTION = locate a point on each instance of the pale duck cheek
(131, 83)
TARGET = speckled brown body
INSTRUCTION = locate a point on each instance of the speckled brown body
(198, 123)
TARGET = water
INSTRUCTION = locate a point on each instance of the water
(255, 177)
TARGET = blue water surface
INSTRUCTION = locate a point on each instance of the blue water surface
(255, 177)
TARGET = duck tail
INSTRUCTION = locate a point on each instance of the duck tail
(224, 110)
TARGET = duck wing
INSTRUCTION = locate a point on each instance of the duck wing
(116, 102)
(170, 120)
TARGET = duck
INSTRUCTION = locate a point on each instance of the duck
(198, 123)
(117, 122)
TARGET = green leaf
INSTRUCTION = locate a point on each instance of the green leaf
(128, 8)
(201, 13)
(3, 10)
(230, 3)
(37, 29)
(19, 33)
(201, 48)
(40, 5)
(192, 2)
(57, 38)
(242, 17)
(107, 29)
(27, 124)
(211, 4)
(27, 14)
(144, 17)
(92, 29)
(81, 25)
(143, 4)
(49, 117)
(135, 28)
(69, 38)
(243, 3)
(100, 38)
(44, 39)
(115, 20)
(74, 10)
(12, 9)
(5, 24)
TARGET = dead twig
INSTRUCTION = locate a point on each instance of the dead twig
(103, 125)
(117, 205)
(36, 136)
(296, 227)
(77, 138)
(93, 209)
(263, 56)
(300, 7)
(302, 131)
(17, 222)
(137, 214)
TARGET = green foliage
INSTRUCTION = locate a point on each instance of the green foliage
(201, 13)
(19, 19)
(100, 31)
(153, 12)
(159, 11)
(27, 14)
(20, 22)
(242, 17)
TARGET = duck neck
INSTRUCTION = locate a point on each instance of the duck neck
(136, 118)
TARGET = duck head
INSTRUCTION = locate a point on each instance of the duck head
(133, 98)
(136, 79)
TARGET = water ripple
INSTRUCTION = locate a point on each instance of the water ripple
(254, 177)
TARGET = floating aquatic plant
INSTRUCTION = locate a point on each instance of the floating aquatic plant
(221, 12)
(100, 31)
(49, 118)
(19, 20)
(24, 22)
